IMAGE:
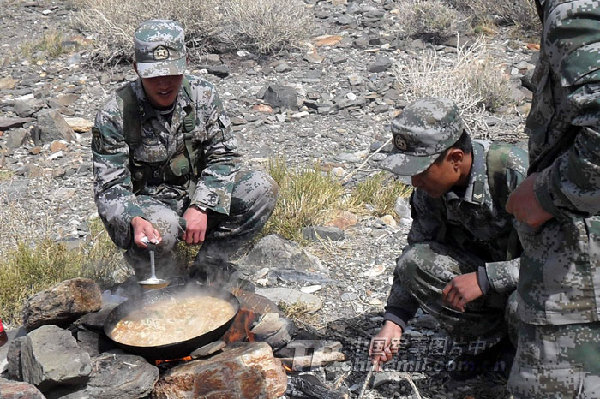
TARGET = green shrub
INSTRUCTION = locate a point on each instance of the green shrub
(306, 198)
(381, 191)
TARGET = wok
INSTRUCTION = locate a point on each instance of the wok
(174, 350)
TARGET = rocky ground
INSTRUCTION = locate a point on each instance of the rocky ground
(347, 97)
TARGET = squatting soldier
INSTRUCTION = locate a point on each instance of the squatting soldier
(166, 165)
(461, 264)
(558, 206)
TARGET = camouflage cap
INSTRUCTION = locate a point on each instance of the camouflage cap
(425, 129)
(160, 48)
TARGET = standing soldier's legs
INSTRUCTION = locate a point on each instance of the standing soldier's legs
(429, 267)
(167, 222)
(253, 200)
(559, 362)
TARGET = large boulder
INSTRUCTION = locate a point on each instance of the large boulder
(62, 304)
(50, 356)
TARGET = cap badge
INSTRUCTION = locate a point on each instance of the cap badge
(400, 143)
(161, 53)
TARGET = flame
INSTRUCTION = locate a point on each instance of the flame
(183, 359)
(240, 328)
(287, 368)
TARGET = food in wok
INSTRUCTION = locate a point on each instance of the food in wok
(172, 319)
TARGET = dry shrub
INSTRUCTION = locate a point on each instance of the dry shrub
(113, 22)
(521, 13)
(266, 25)
(471, 78)
(429, 18)
(262, 25)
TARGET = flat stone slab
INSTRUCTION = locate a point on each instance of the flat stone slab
(292, 297)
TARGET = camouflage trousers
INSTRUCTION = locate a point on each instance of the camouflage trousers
(253, 199)
(421, 274)
(557, 362)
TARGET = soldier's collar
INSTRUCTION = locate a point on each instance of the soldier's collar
(477, 188)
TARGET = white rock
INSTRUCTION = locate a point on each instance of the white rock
(311, 289)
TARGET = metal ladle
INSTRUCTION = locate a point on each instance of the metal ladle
(153, 282)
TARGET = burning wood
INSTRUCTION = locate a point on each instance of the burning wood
(183, 359)
(240, 328)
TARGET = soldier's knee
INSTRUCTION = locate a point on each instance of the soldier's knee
(167, 224)
(256, 189)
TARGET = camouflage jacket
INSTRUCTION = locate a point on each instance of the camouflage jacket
(564, 147)
(163, 151)
(475, 221)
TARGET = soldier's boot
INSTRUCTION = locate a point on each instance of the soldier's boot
(213, 267)
(496, 359)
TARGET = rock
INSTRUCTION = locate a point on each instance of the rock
(344, 219)
(25, 107)
(303, 355)
(286, 261)
(381, 64)
(313, 57)
(18, 390)
(50, 356)
(221, 71)
(292, 297)
(248, 371)
(79, 125)
(274, 252)
(58, 145)
(307, 385)
(315, 233)
(16, 138)
(53, 127)
(327, 40)
(93, 343)
(374, 271)
(14, 358)
(8, 123)
(389, 220)
(7, 83)
(281, 96)
(208, 349)
(62, 304)
(274, 329)
(118, 376)
(67, 99)
(402, 209)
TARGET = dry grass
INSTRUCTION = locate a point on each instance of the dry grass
(50, 45)
(520, 13)
(433, 19)
(266, 25)
(263, 26)
(113, 22)
(471, 78)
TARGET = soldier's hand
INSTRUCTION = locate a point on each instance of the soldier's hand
(196, 224)
(385, 344)
(524, 205)
(144, 229)
(461, 290)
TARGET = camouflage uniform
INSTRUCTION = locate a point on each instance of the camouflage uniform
(466, 230)
(177, 161)
(559, 289)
